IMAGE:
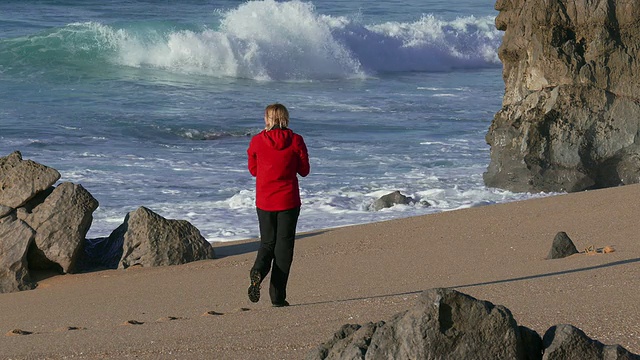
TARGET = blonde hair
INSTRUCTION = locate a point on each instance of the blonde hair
(276, 115)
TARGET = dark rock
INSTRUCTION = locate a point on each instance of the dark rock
(21, 180)
(150, 240)
(61, 223)
(350, 342)
(390, 200)
(445, 324)
(571, 110)
(566, 342)
(15, 239)
(562, 246)
(532, 342)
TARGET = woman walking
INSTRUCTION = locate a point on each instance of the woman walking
(277, 156)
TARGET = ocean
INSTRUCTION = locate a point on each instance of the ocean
(153, 103)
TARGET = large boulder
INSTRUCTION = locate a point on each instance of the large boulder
(570, 115)
(150, 240)
(21, 180)
(444, 324)
(15, 239)
(61, 222)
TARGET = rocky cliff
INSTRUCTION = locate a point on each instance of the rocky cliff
(570, 116)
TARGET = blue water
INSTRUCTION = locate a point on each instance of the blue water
(152, 103)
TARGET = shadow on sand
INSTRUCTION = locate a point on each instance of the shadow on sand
(530, 277)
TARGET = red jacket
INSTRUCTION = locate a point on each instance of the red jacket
(275, 158)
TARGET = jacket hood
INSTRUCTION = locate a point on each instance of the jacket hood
(278, 138)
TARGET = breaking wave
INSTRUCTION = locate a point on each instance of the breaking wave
(261, 40)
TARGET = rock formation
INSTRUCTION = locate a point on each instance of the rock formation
(61, 223)
(43, 227)
(446, 324)
(21, 180)
(570, 115)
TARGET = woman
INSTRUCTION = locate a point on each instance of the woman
(277, 156)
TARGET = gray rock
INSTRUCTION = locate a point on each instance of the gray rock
(566, 342)
(445, 324)
(21, 180)
(562, 246)
(150, 240)
(61, 222)
(15, 239)
(350, 342)
(390, 200)
(570, 115)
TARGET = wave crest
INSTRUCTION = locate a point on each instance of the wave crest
(266, 40)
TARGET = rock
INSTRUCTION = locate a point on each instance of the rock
(444, 324)
(566, 342)
(151, 240)
(570, 114)
(15, 239)
(390, 200)
(350, 342)
(562, 246)
(61, 223)
(21, 180)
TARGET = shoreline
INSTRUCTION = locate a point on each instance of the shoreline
(350, 274)
(322, 229)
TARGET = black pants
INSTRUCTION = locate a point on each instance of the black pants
(277, 235)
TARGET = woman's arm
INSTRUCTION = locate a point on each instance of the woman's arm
(252, 159)
(304, 167)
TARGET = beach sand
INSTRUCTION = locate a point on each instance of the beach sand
(353, 274)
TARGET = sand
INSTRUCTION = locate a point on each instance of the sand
(352, 274)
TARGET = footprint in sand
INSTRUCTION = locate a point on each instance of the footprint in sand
(16, 332)
(239, 310)
(71, 328)
(170, 318)
(133, 322)
(234, 311)
(212, 313)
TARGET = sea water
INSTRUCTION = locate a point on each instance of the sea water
(153, 103)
